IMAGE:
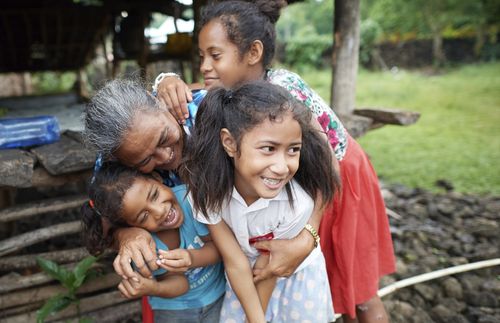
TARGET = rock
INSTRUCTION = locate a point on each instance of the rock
(441, 313)
(492, 285)
(453, 304)
(482, 299)
(453, 288)
(484, 228)
(427, 292)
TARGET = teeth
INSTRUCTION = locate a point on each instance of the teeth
(271, 181)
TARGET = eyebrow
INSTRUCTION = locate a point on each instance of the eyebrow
(146, 160)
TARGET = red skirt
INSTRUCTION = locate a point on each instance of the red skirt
(355, 235)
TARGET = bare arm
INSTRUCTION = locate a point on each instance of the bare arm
(167, 286)
(180, 260)
(238, 271)
(264, 287)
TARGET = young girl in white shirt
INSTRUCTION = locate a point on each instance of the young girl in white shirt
(256, 169)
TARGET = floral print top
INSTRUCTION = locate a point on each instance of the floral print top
(337, 134)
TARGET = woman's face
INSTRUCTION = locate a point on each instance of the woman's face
(154, 140)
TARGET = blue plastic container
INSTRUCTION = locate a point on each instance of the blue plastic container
(30, 131)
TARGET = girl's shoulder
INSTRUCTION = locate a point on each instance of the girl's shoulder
(282, 76)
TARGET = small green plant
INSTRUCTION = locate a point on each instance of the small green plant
(71, 280)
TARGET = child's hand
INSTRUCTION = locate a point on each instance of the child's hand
(134, 288)
(176, 95)
(177, 260)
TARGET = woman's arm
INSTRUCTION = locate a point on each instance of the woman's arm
(137, 245)
(238, 271)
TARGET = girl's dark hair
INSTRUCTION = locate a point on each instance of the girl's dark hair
(101, 216)
(246, 22)
(209, 172)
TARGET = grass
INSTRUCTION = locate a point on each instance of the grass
(457, 137)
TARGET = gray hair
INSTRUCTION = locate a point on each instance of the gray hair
(110, 113)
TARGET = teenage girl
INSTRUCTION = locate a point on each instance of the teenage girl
(124, 197)
(264, 168)
(236, 44)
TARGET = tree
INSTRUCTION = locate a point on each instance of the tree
(345, 55)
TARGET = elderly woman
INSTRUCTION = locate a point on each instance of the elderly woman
(125, 122)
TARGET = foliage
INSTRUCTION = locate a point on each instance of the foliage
(71, 280)
(52, 82)
(303, 52)
(457, 137)
(370, 31)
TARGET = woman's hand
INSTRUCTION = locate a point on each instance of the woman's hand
(286, 255)
(177, 260)
(176, 94)
(137, 245)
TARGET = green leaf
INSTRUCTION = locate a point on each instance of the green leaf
(64, 276)
(81, 270)
(85, 320)
(53, 305)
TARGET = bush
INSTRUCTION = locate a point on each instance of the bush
(370, 31)
(304, 52)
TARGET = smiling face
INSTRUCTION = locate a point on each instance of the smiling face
(154, 140)
(150, 205)
(220, 61)
(267, 159)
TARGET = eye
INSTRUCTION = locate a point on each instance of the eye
(216, 56)
(145, 216)
(267, 149)
(154, 197)
(294, 150)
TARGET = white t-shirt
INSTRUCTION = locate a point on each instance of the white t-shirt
(265, 217)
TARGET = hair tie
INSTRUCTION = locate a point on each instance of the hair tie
(227, 97)
(92, 206)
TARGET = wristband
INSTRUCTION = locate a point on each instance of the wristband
(314, 234)
(160, 78)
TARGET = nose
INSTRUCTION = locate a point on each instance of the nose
(157, 210)
(162, 155)
(280, 165)
(205, 66)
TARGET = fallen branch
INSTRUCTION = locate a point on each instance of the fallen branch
(29, 238)
(393, 214)
(48, 205)
(437, 274)
(434, 275)
(43, 293)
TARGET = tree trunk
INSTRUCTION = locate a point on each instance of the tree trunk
(345, 56)
(437, 49)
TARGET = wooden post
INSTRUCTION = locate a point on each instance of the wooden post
(345, 56)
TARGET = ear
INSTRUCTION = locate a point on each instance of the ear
(228, 142)
(255, 53)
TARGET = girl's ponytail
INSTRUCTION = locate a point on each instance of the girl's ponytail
(93, 236)
(207, 169)
(270, 9)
